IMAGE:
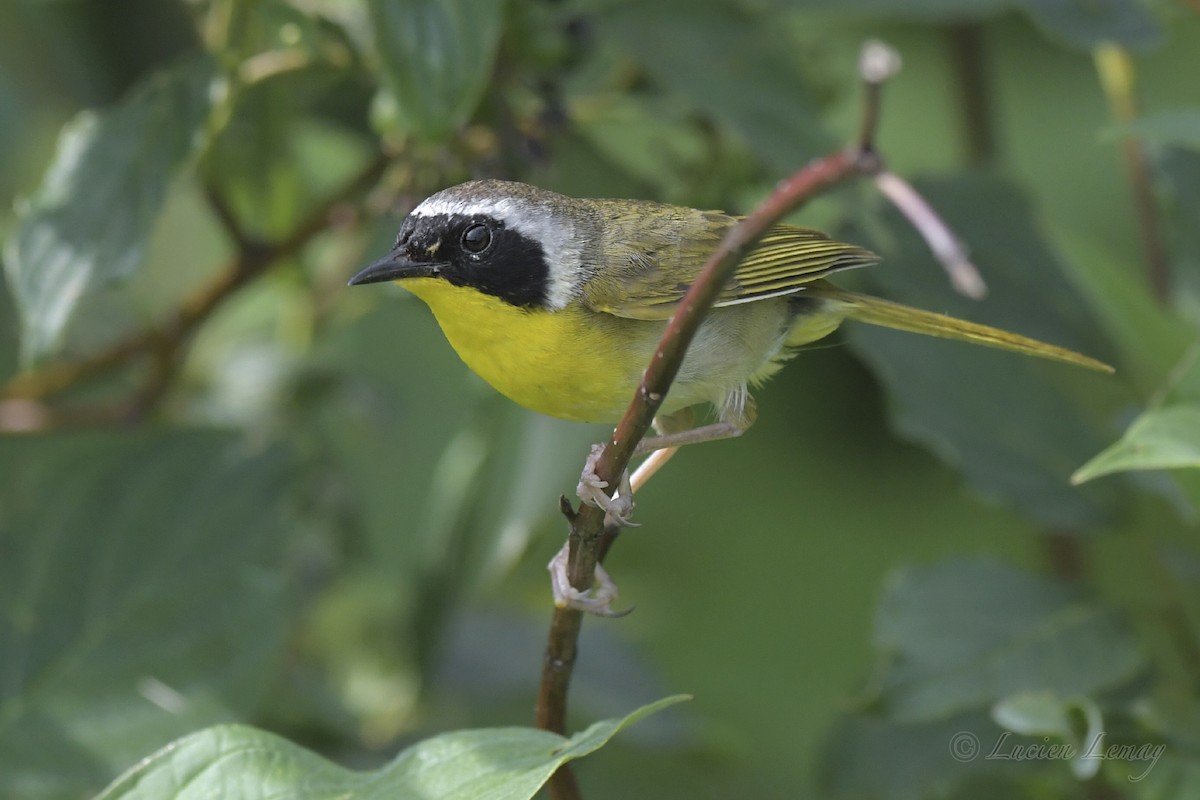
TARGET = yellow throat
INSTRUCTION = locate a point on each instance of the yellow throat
(539, 359)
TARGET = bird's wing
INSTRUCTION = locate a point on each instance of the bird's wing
(653, 280)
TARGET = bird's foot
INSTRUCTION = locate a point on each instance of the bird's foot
(596, 600)
(618, 509)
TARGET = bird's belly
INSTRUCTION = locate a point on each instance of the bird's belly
(585, 366)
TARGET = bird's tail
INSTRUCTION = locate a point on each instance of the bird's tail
(887, 314)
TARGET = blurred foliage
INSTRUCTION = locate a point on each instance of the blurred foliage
(236, 494)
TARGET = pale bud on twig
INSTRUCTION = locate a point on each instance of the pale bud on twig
(878, 61)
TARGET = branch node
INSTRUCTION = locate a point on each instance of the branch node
(566, 509)
(867, 160)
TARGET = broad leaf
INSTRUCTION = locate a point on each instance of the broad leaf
(1162, 438)
(966, 634)
(258, 162)
(874, 758)
(1009, 422)
(140, 598)
(437, 59)
(1179, 127)
(87, 224)
(239, 761)
(745, 58)
(1085, 25)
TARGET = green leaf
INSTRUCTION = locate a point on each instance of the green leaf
(478, 474)
(1084, 24)
(1163, 773)
(1162, 438)
(1044, 714)
(1151, 342)
(239, 761)
(746, 58)
(437, 59)
(1010, 423)
(1075, 23)
(87, 224)
(140, 597)
(653, 142)
(1179, 127)
(969, 633)
(1177, 188)
(874, 758)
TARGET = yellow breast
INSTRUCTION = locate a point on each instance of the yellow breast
(570, 364)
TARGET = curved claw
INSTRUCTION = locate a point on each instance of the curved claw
(597, 600)
(618, 509)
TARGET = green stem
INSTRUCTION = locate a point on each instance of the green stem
(1115, 69)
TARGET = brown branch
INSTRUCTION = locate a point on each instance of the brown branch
(164, 341)
(588, 539)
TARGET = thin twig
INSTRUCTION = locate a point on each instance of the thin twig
(164, 340)
(225, 215)
(876, 64)
(946, 247)
(588, 539)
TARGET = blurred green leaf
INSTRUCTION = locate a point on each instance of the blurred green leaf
(443, 480)
(1171, 775)
(873, 758)
(650, 141)
(1008, 422)
(1179, 127)
(1151, 342)
(238, 761)
(1078, 23)
(969, 633)
(87, 224)
(1177, 184)
(1084, 24)
(725, 61)
(141, 595)
(1162, 438)
(257, 162)
(437, 59)
(1044, 714)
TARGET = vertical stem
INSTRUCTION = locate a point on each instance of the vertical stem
(1115, 69)
(974, 90)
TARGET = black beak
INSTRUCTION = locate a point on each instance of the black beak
(396, 266)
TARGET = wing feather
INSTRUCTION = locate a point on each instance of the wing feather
(656, 275)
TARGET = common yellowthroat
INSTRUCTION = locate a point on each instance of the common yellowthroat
(559, 303)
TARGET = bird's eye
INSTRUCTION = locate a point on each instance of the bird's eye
(476, 238)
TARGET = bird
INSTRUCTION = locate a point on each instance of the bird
(559, 303)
